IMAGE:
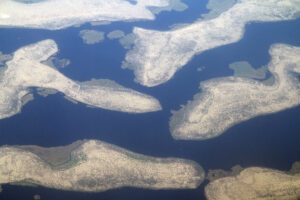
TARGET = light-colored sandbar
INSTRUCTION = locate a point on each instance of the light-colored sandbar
(59, 14)
(224, 102)
(255, 184)
(25, 71)
(98, 166)
(157, 55)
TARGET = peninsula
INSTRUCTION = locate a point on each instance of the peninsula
(26, 71)
(158, 55)
(224, 102)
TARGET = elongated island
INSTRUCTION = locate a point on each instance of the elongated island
(93, 166)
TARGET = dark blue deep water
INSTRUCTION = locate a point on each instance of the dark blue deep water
(269, 141)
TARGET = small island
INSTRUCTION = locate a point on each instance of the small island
(92, 36)
(174, 5)
(116, 34)
(255, 183)
(94, 166)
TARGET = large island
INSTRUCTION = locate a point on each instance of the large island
(256, 183)
(224, 102)
(94, 166)
(59, 14)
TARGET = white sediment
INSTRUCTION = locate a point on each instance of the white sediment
(157, 55)
(98, 166)
(224, 102)
(255, 184)
(25, 70)
(59, 14)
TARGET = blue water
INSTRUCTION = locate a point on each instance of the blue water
(270, 141)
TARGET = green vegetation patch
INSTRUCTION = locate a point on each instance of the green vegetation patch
(220, 173)
(244, 69)
(216, 7)
(295, 168)
(27, 98)
(46, 91)
(57, 62)
(55, 156)
(102, 83)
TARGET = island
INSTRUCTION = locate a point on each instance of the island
(158, 55)
(26, 71)
(59, 14)
(224, 102)
(175, 5)
(255, 183)
(116, 34)
(94, 166)
(91, 36)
